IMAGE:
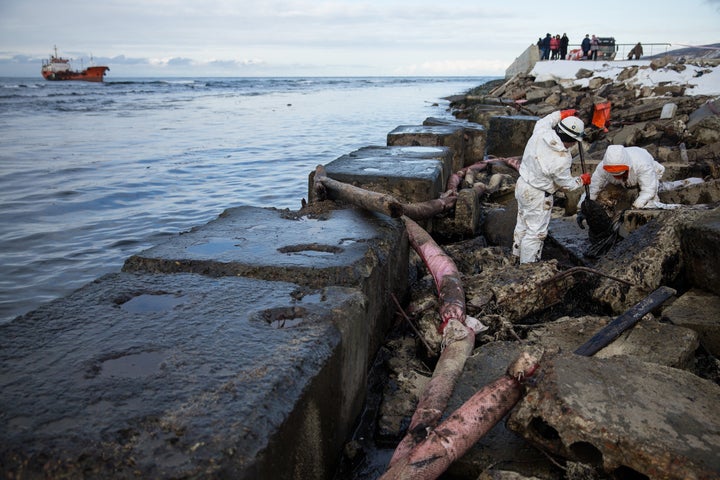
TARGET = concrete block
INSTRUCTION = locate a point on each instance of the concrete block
(475, 137)
(408, 179)
(649, 257)
(443, 154)
(524, 63)
(508, 135)
(348, 248)
(623, 415)
(451, 136)
(698, 310)
(576, 168)
(182, 376)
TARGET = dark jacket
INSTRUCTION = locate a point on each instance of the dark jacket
(585, 45)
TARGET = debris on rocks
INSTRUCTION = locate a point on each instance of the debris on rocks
(585, 417)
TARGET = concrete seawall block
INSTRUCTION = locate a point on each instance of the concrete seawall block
(443, 154)
(407, 179)
(432, 136)
(508, 135)
(475, 137)
(350, 248)
(183, 376)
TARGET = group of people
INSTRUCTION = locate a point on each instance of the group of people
(545, 169)
(553, 47)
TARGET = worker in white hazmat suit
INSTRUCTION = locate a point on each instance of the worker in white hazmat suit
(545, 168)
(633, 167)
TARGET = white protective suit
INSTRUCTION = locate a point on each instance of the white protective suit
(644, 173)
(545, 168)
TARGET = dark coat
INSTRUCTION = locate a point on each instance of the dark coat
(585, 45)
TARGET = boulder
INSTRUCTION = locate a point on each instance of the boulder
(700, 311)
(649, 340)
(649, 257)
(627, 417)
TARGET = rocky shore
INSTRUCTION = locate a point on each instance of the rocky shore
(631, 409)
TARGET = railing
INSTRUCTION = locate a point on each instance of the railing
(649, 49)
(622, 49)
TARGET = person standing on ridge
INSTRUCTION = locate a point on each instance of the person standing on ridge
(594, 46)
(564, 42)
(585, 46)
(544, 169)
(546, 47)
(554, 47)
(636, 52)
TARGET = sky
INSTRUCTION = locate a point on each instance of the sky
(238, 38)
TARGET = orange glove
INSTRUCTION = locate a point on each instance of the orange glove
(585, 177)
(570, 112)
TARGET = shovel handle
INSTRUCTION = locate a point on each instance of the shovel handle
(582, 165)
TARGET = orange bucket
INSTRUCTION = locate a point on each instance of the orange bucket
(601, 115)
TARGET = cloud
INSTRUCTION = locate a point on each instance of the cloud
(303, 37)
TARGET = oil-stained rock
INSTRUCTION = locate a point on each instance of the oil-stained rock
(623, 415)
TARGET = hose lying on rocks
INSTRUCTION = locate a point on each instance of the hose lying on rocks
(458, 341)
(425, 452)
(454, 437)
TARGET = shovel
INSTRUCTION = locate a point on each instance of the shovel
(582, 165)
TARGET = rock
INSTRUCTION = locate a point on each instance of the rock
(707, 130)
(623, 415)
(649, 340)
(699, 241)
(649, 257)
(699, 311)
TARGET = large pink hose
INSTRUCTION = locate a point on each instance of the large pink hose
(454, 437)
(435, 396)
(443, 270)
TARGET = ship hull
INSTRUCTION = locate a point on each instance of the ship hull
(90, 74)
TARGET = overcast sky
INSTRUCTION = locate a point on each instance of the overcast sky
(327, 38)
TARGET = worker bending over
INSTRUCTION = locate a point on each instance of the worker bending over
(545, 168)
(632, 167)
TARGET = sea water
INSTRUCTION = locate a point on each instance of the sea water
(93, 173)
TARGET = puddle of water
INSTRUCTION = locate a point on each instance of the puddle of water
(135, 365)
(214, 247)
(311, 253)
(148, 303)
(420, 149)
(288, 317)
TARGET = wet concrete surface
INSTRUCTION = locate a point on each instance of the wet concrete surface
(177, 376)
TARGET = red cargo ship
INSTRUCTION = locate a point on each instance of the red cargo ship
(58, 68)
